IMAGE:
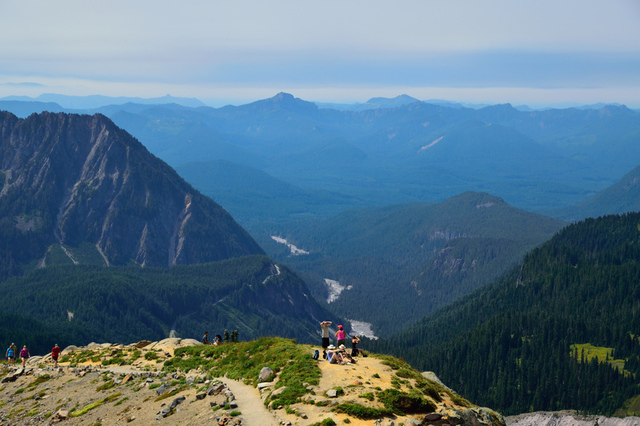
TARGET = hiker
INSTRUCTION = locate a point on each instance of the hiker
(11, 353)
(55, 353)
(24, 355)
(354, 345)
(324, 326)
(342, 349)
(340, 335)
(205, 338)
(218, 340)
(333, 355)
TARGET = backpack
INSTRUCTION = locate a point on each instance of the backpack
(316, 354)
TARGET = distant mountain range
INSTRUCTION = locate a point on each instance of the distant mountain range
(97, 101)
(402, 150)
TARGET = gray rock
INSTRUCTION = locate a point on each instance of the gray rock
(176, 402)
(215, 389)
(265, 374)
(278, 391)
(161, 389)
(201, 395)
(332, 393)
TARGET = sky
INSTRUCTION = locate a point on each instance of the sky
(538, 53)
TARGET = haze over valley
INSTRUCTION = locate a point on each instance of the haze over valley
(458, 185)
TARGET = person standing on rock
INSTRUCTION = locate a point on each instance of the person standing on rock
(11, 353)
(55, 353)
(340, 335)
(324, 326)
(24, 355)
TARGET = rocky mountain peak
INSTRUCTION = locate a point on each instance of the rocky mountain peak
(97, 192)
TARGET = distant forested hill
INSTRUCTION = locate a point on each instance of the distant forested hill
(526, 342)
(621, 197)
(82, 304)
(399, 263)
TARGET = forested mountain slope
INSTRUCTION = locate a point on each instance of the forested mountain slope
(520, 343)
(86, 304)
(621, 197)
(399, 263)
(77, 189)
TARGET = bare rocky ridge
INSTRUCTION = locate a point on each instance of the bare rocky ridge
(568, 418)
(84, 180)
(90, 392)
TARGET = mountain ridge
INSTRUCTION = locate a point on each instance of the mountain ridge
(77, 178)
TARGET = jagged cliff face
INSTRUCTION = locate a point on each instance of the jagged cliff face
(77, 179)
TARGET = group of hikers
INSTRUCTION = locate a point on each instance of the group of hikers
(338, 354)
(24, 354)
(216, 340)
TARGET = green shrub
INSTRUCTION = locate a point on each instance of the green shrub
(400, 402)
(105, 386)
(150, 356)
(362, 412)
(325, 422)
(368, 395)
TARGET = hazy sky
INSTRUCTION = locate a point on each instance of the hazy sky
(523, 52)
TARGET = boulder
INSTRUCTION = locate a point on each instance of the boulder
(265, 374)
(141, 344)
(161, 389)
(216, 388)
(179, 400)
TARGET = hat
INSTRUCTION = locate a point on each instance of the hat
(331, 347)
(340, 327)
(342, 347)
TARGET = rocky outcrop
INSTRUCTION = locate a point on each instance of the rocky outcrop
(568, 418)
(78, 179)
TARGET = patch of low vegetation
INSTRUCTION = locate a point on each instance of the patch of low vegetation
(368, 396)
(150, 356)
(586, 352)
(89, 407)
(325, 422)
(402, 403)
(244, 360)
(40, 379)
(106, 385)
(361, 412)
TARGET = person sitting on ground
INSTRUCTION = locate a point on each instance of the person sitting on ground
(218, 340)
(333, 355)
(205, 338)
(345, 355)
(24, 354)
(55, 353)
